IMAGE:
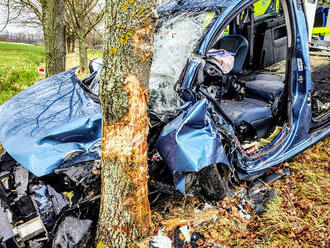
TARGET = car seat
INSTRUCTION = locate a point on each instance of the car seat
(256, 113)
(264, 86)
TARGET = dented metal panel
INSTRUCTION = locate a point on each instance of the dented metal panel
(46, 122)
(191, 142)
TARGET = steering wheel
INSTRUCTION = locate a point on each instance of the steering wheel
(213, 75)
(212, 70)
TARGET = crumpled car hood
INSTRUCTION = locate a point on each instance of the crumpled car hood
(49, 121)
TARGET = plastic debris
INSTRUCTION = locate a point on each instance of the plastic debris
(32, 209)
(161, 241)
(197, 240)
(187, 235)
(72, 232)
(53, 129)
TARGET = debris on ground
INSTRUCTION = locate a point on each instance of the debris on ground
(160, 241)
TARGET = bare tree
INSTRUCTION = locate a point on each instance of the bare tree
(95, 37)
(125, 211)
(29, 12)
(7, 7)
(12, 12)
(70, 39)
(82, 17)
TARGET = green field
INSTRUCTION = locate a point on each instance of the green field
(18, 68)
(19, 63)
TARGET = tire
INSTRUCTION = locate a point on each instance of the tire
(213, 181)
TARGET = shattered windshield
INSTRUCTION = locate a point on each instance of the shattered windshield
(175, 40)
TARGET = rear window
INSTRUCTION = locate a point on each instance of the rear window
(265, 8)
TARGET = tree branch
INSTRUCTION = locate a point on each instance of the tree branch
(8, 15)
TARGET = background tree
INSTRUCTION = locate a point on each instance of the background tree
(125, 211)
(82, 17)
(70, 40)
(95, 37)
(54, 35)
(5, 5)
(27, 12)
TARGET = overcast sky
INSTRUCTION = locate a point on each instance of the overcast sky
(14, 28)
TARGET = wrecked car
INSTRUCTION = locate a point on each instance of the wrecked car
(214, 123)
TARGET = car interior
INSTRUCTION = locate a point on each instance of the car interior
(250, 98)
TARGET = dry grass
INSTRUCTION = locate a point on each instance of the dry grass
(297, 217)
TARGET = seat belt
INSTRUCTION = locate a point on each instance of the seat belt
(275, 105)
(241, 20)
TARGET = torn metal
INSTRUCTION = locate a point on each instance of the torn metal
(56, 208)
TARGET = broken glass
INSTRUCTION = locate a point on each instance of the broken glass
(175, 39)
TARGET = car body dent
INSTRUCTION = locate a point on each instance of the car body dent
(190, 143)
(296, 135)
(43, 124)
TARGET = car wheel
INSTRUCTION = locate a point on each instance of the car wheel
(213, 181)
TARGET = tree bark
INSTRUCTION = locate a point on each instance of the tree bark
(82, 17)
(73, 43)
(54, 35)
(68, 44)
(83, 58)
(125, 212)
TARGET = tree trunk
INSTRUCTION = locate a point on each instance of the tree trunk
(125, 212)
(54, 35)
(68, 44)
(73, 43)
(83, 58)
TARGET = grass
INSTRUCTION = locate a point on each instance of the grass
(297, 216)
(18, 68)
(72, 60)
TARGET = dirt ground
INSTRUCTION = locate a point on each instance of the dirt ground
(320, 67)
(297, 214)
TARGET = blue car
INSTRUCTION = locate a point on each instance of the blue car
(218, 115)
